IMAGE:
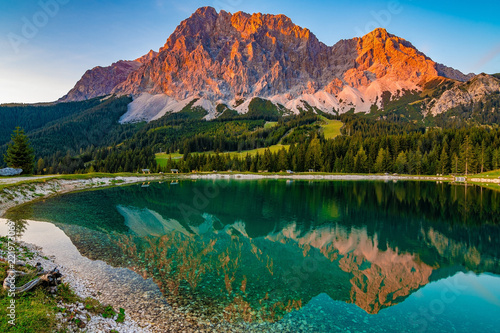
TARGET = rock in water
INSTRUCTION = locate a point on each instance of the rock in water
(10, 172)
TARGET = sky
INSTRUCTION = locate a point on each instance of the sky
(47, 45)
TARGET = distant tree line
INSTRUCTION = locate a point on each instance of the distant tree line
(465, 151)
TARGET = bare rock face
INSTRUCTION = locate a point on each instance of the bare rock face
(147, 57)
(225, 58)
(100, 81)
(382, 55)
(452, 73)
(466, 93)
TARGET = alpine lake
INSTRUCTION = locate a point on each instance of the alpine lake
(328, 256)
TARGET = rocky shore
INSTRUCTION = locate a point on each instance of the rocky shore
(44, 187)
(87, 321)
(145, 309)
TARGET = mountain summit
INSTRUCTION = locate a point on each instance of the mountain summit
(223, 58)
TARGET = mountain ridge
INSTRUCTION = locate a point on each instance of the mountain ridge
(223, 58)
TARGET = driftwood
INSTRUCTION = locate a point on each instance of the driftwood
(51, 278)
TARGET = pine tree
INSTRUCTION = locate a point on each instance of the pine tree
(360, 161)
(337, 167)
(248, 162)
(474, 162)
(348, 162)
(301, 158)
(418, 162)
(443, 167)
(267, 160)
(455, 166)
(482, 156)
(401, 164)
(495, 159)
(313, 155)
(19, 152)
(282, 160)
(372, 156)
(432, 162)
(387, 161)
(379, 161)
(466, 150)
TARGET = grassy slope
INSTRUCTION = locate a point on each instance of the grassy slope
(34, 309)
(260, 151)
(270, 124)
(494, 174)
(162, 158)
(331, 128)
(495, 187)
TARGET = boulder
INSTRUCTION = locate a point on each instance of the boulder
(10, 172)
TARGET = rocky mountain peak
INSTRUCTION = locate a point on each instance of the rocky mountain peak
(378, 33)
(251, 24)
(206, 24)
(224, 55)
(147, 57)
(205, 11)
(219, 57)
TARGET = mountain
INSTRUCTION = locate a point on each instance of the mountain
(477, 90)
(100, 81)
(215, 58)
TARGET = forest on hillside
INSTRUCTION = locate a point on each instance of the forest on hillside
(86, 136)
(365, 146)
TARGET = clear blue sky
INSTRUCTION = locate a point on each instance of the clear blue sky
(42, 64)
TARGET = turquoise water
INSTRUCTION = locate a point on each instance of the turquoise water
(320, 256)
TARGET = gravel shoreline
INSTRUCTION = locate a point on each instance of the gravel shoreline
(19, 194)
(146, 310)
(241, 176)
(92, 322)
